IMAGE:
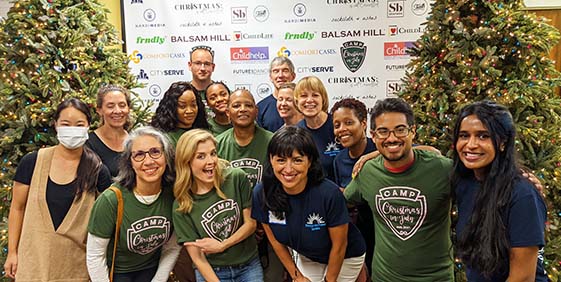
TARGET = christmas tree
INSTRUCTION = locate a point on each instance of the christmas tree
(474, 50)
(49, 51)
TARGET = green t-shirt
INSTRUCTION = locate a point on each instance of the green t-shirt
(217, 128)
(175, 135)
(217, 218)
(411, 213)
(145, 228)
(250, 158)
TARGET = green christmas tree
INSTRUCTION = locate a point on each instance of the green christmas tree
(474, 50)
(51, 50)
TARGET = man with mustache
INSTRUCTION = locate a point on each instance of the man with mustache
(245, 146)
(409, 193)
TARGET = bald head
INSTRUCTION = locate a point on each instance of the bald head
(241, 93)
(242, 109)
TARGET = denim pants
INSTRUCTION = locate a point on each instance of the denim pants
(249, 272)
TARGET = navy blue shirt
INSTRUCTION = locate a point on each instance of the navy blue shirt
(326, 144)
(268, 116)
(343, 163)
(525, 221)
(305, 228)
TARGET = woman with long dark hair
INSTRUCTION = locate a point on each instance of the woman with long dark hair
(53, 193)
(180, 110)
(301, 210)
(501, 215)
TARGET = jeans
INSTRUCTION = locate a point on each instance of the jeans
(249, 272)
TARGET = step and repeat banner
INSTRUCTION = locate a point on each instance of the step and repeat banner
(356, 47)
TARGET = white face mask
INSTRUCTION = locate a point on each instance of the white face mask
(72, 137)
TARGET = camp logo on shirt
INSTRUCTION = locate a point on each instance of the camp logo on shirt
(403, 209)
(221, 219)
(315, 222)
(331, 149)
(252, 167)
(148, 234)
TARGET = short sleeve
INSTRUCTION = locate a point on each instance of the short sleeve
(244, 188)
(527, 218)
(352, 192)
(337, 212)
(103, 178)
(103, 215)
(24, 171)
(257, 212)
(184, 226)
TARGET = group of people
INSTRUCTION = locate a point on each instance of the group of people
(219, 188)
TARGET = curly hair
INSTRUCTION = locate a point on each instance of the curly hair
(166, 118)
(358, 107)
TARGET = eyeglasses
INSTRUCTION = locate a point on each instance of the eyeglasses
(201, 64)
(154, 152)
(400, 131)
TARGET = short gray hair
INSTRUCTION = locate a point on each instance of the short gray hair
(127, 176)
(279, 61)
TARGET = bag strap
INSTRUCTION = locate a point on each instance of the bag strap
(118, 222)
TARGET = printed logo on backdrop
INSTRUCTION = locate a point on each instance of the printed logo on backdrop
(306, 35)
(135, 57)
(316, 69)
(200, 8)
(299, 10)
(150, 40)
(162, 56)
(154, 90)
(403, 209)
(395, 8)
(355, 3)
(142, 75)
(261, 13)
(242, 86)
(200, 38)
(264, 90)
(250, 71)
(168, 72)
(238, 36)
(353, 54)
(136, 2)
(149, 15)
(239, 15)
(393, 87)
(395, 30)
(190, 24)
(285, 52)
(249, 54)
(419, 7)
(346, 19)
(396, 67)
(397, 50)
(353, 33)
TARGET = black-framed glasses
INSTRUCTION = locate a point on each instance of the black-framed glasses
(400, 131)
(154, 152)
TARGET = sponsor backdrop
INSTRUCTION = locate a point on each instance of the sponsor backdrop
(356, 47)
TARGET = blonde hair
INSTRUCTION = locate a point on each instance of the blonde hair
(312, 83)
(185, 185)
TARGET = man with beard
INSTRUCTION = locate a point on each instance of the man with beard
(201, 65)
(245, 146)
(281, 71)
(409, 193)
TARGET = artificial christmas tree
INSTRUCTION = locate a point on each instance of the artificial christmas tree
(51, 50)
(491, 49)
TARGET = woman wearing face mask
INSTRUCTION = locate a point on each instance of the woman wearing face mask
(180, 110)
(502, 216)
(312, 102)
(285, 104)
(113, 106)
(146, 247)
(217, 97)
(53, 192)
(212, 212)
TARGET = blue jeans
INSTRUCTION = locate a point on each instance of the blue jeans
(249, 272)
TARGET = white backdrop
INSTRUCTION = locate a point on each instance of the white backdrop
(356, 47)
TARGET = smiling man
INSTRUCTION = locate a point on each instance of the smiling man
(201, 65)
(409, 193)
